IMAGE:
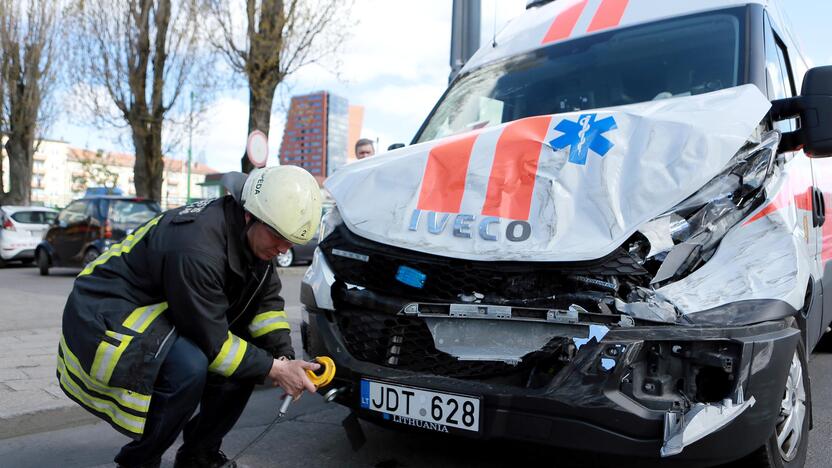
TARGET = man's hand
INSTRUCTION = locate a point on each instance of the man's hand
(291, 376)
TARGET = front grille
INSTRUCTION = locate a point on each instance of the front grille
(447, 278)
(406, 343)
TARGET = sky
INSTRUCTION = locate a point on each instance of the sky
(395, 64)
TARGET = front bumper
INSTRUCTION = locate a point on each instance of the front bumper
(587, 406)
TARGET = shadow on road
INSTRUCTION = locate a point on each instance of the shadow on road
(825, 344)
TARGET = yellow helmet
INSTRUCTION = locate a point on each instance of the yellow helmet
(287, 198)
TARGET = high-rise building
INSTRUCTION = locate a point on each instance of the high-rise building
(316, 133)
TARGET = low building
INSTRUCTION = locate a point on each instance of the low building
(62, 173)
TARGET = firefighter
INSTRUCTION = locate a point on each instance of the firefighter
(185, 312)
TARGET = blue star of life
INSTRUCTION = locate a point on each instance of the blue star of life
(584, 135)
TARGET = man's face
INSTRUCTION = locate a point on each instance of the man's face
(264, 241)
(364, 151)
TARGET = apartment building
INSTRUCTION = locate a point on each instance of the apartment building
(62, 173)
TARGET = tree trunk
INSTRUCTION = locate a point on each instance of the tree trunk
(259, 116)
(149, 166)
(19, 149)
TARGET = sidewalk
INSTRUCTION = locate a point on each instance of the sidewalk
(30, 399)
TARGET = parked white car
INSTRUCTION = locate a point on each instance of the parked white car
(23, 229)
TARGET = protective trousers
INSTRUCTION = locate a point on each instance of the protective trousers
(182, 385)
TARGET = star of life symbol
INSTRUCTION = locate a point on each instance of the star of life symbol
(584, 135)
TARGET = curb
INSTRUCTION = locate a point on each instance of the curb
(45, 420)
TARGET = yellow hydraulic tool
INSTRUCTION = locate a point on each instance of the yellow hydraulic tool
(327, 373)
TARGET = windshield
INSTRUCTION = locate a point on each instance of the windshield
(677, 57)
(132, 212)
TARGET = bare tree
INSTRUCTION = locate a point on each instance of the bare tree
(278, 38)
(29, 32)
(134, 59)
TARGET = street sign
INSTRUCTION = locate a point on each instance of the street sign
(257, 148)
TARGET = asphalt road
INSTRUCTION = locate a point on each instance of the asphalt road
(311, 435)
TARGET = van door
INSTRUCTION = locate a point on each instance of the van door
(806, 187)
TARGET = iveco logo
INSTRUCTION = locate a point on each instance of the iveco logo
(488, 228)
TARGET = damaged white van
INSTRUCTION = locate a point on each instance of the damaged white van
(608, 235)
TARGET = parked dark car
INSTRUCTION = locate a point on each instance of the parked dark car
(298, 254)
(89, 226)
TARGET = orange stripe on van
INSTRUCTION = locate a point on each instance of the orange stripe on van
(565, 22)
(443, 183)
(513, 173)
(608, 15)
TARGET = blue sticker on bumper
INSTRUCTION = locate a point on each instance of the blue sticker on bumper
(411, 277)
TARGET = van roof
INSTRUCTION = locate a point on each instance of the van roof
(562, 20)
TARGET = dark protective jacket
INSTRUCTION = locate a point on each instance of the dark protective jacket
(187, 272)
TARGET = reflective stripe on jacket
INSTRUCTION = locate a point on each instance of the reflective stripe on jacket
(186, 272)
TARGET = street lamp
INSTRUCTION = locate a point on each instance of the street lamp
(190, 132)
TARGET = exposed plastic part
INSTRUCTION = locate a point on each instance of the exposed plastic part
(320, 278)
(597, 332)
(683, 429)
(652, 310)
(570, 316)
(498, 340)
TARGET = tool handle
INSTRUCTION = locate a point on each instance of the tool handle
(287, 400)
(322, 380)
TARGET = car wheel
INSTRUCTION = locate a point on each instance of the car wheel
(286, 259)
(90, 255)
(43, 262)
(788, 445)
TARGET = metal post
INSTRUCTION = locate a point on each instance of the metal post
(190, 132)
(465, 33)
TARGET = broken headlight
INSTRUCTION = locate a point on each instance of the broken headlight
(331, 220)
(687, 236)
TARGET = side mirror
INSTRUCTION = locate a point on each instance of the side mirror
(395, 146)
(814, 107)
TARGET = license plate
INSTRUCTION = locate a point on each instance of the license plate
(421, 408)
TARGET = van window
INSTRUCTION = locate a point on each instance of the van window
(778, 75)
(669, 58)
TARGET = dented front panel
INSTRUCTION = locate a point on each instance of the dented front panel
(567, 187)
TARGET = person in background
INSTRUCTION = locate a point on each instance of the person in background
(364, 148)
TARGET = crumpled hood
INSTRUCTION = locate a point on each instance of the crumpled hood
(565, 187)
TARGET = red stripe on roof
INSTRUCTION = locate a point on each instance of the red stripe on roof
(443, 183)
(608, 15)
(565, 22)
(513, 173)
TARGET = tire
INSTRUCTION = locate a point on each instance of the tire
(90, 255)
(286, 260)
(43, 262)
(797, 401)
(2, 263)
